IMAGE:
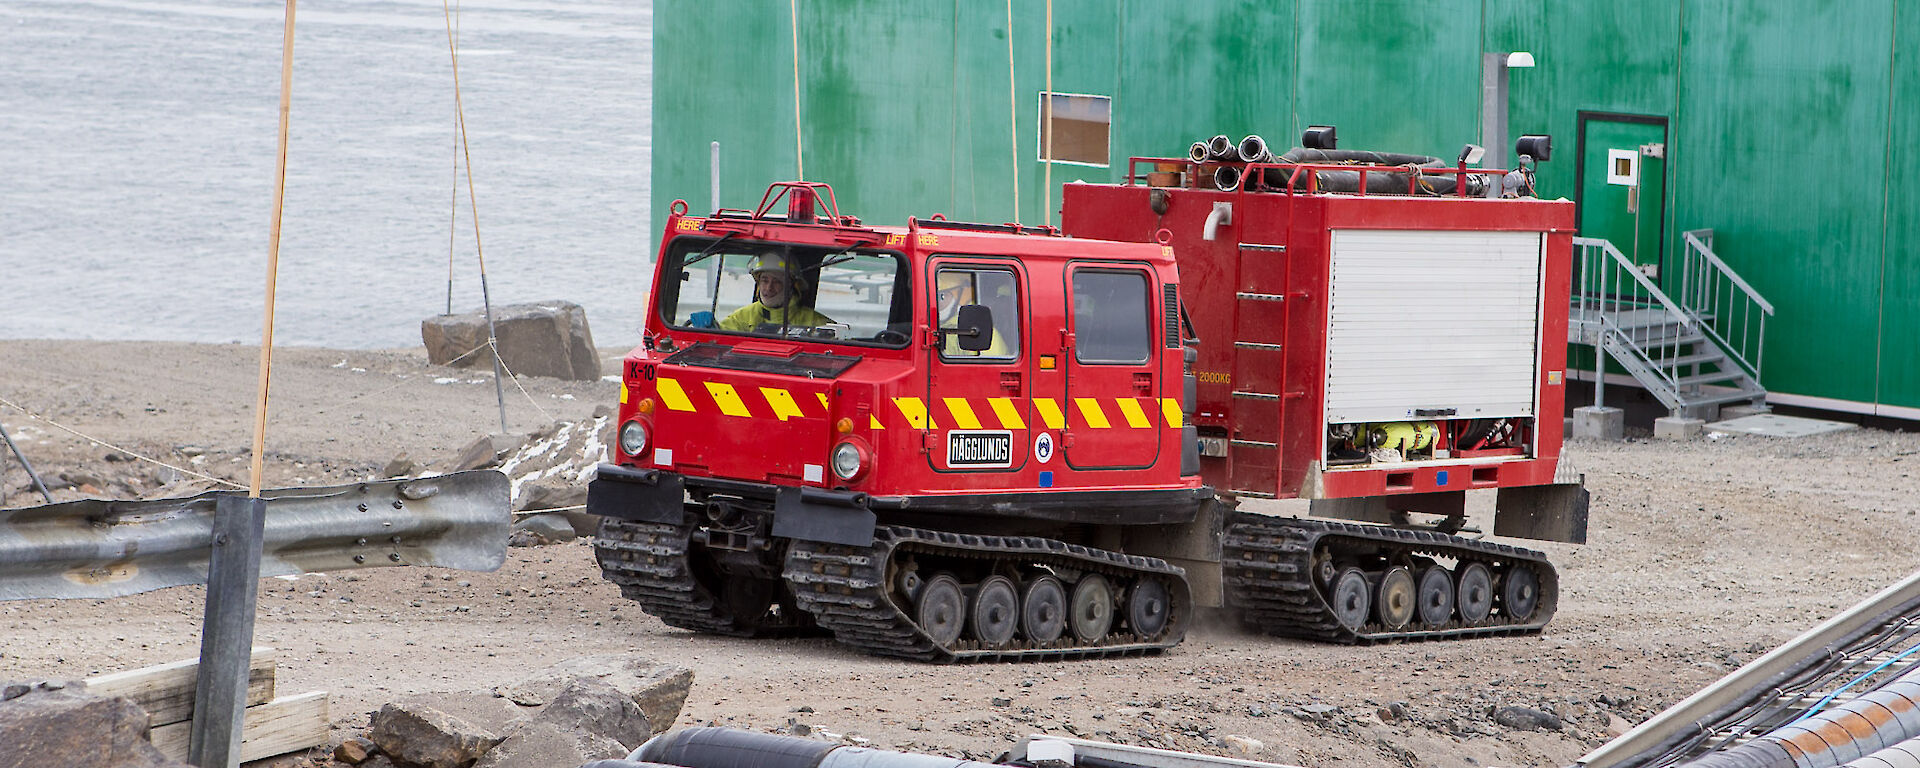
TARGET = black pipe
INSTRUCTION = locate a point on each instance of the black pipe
(1221, 149)
(732, 748)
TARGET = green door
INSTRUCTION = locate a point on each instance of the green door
(1623, 185)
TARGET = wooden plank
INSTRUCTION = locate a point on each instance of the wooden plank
(286, 724)
(166, 691)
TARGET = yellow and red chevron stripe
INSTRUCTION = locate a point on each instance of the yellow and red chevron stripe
(918, 413)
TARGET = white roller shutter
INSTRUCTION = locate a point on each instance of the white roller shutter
(1429, 321)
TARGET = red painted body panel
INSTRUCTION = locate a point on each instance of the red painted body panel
(899, 404)
(1273, 350)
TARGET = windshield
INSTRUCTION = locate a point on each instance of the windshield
(784, 290)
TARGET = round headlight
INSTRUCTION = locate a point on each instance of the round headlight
(633, 438)
(846, 460)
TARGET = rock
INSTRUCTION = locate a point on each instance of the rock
(550, 493)
(68, 727)
(999, 701)
(660, 689)
(400, 466)
(1320, 710)
(545, 529)
(1243, 745)
(478, 454)
(415, 733)
(540, 339)
(378, 761)
(1617, 726)
(354, 751)
(1526, 719)
(594, 706)
(546, 745)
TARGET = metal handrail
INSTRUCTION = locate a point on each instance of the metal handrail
(1702, 274)
(1605, 295)
(1706, 249)
(1629, 267)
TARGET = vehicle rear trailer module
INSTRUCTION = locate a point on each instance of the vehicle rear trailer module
(989, 442)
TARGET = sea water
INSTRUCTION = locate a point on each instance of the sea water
(137, 151)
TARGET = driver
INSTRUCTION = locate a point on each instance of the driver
(776, 285)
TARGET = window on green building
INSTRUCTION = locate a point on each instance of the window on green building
(1080, 124)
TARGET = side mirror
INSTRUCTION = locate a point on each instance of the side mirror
(974, 327)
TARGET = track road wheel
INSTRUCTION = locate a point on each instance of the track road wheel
(1147, 609)
(996, 612)
(1043, 610)
(1436, 597)
(1351, 598)
(942, 610)
(1394, 600)
(1475, 593)
(1522, 593)
(1092, 608)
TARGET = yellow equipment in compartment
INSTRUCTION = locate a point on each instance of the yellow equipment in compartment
(1404, 436)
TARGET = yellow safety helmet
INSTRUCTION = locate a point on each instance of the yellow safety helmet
(776, 262)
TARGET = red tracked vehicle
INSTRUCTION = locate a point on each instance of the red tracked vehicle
(955, 441)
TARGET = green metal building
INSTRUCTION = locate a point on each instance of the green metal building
(1785, 126)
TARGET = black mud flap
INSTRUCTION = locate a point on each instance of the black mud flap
(797, 517)
(1556, 512)
(640, 495)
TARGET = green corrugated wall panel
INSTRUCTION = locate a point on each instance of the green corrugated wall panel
(906, 106)
(1396, 75)
(1087, 58)
(1197, 69)
(874, 96)
(706, 89)
(1899, 324)
(1616, 56)
(1783, 127)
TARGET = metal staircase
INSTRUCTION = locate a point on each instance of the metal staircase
(1694, 351)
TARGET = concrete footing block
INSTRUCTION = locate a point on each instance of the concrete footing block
(1600, 422)
(1737, 411)
(1678, 428)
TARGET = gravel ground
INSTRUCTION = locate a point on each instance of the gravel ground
(1702, 555)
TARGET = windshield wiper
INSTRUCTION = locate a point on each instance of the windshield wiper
(708, 251)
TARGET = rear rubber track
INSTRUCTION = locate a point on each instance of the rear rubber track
(846, 589)
(1268, 573)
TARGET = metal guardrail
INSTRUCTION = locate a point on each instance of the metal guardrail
(1629, 317)
(100, 548)
(1729, 309)
(1773, 689)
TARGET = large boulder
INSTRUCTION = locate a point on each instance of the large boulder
(548, 338)
(60, 724)
(593, 705)
(541, 744)
(419, 731)
(659, 689)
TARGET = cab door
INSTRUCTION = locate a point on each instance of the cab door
(1113, 387)
(978, 400)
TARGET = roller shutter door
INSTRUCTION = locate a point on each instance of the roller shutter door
(1431, 321)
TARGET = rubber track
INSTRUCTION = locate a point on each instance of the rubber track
(1268, 572)
(845, 590)
(649, 561)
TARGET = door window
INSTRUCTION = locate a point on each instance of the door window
(998, 291)
(1112, 319)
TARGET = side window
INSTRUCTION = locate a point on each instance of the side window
(1112, 318)
(998, 290)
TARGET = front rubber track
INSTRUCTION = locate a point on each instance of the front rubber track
(653, 565)
(1267, 565)
(846, 590)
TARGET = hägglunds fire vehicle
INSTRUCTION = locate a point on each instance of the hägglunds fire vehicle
(956, 442)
